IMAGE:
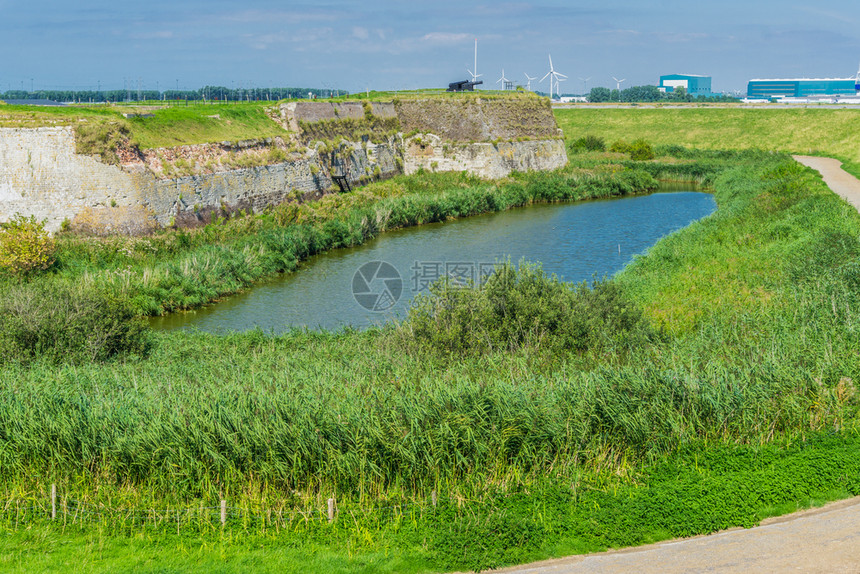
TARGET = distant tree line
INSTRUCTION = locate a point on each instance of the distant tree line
(207, 93)
(651, 94)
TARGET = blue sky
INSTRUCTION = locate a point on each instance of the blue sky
(373, 44)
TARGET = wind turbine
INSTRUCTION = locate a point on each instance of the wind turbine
(553, 75)
(503, 80)
(529, 83)
(558, 82)
(475, 75)
(585, 85)
(618, 82)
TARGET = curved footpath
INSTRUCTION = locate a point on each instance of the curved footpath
(825, 539)
(840, 181)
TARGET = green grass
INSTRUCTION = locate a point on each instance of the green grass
(695, 490)
(822, 131)
(742, 406)
(171, 126)
(194, 125)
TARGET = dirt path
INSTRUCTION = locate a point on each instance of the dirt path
(825, 539)
(840, 181)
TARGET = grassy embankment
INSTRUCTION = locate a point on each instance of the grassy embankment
(181, 125)
(727, 417)
(195, 123)
(823, 131)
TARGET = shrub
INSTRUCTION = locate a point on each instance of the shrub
(589, 143)
(61, 324)
(523, 308)
(640, 150)
(620, 146)
(25, 246)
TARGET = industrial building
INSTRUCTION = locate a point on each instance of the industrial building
(801, 88)
(693, 84)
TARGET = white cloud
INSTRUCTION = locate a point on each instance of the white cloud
(445, 38)
(360, 33)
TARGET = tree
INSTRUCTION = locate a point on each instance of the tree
(679, 94)
(598, 95)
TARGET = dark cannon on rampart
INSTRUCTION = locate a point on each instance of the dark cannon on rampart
(464, 86)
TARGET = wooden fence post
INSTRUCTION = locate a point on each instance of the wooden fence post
(53, 501)
(330, 509)
(223, 512)
(433, 498)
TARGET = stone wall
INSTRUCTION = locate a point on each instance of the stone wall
(487, 160)
(476, 118)
(294, 112)
(41, 175)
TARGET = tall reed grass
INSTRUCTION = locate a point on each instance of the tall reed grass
(760, 308)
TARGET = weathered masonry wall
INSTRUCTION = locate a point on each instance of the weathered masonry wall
(487, 160)
(41, 175)
(474, 118)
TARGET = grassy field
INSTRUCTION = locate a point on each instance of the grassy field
(735, 401)
(171, 126)
(822, 131)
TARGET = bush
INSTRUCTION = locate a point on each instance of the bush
(640, 150)
(620, 146)
(637, 150)
(523, 308)
(589, 143)
(25, 246)
(62, 324)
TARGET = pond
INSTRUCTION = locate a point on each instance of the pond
(375, 282)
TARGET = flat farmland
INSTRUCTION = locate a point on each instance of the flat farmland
(812, 131)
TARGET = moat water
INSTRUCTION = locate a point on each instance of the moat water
(375, 282)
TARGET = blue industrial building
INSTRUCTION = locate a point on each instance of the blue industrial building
(802, 88)
(694, 85)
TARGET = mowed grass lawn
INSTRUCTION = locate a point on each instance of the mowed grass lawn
(816, 131)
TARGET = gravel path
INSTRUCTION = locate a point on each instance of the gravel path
(840, 181)
(825, 539)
